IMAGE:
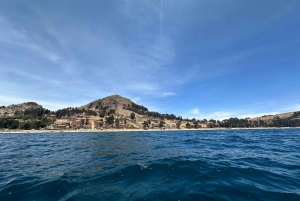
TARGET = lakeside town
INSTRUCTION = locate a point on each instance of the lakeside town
(118, 113)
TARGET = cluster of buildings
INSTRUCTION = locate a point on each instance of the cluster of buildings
(77, 122)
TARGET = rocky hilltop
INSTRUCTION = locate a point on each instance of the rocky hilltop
(112, 112)
(115, 104)
(18, 109)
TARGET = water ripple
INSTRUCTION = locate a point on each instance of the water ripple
(183, 165)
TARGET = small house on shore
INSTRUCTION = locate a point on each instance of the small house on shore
(60, 127)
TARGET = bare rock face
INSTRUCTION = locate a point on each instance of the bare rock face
(17, 109)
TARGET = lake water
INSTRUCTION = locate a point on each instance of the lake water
(181, 165)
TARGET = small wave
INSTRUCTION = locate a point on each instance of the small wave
(198, 165)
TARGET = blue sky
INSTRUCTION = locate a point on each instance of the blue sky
(194, 58)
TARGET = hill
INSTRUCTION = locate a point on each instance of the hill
(290, 119)
(270, 117)
(114, 104)
(115, 111)
(119, 112)
(18, 109)
(121, 106)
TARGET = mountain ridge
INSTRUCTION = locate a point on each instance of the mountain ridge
(120, 106)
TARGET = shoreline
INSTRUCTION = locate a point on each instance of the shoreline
(134, 130)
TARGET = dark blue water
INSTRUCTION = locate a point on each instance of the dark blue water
(182, 165)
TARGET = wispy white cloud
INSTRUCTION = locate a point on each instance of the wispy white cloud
(142, 64)
(50, 104)
(53, 105)
(135, 100)
(38, 78)
(252, 115)
(146, 49)
(166, 94)
(141, 67)
(195, 111)
(25, 74)
(8, 100)
(294, 107)
(219, 115)
(34, 43)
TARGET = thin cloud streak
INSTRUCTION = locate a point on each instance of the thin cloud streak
(164, 52)
(195, 111)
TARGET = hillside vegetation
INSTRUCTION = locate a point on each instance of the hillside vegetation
(119, 112)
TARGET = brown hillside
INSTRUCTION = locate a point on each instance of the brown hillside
(270, 117)
(18, 109)
(116, 102)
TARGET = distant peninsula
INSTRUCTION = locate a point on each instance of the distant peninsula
(117, 112)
